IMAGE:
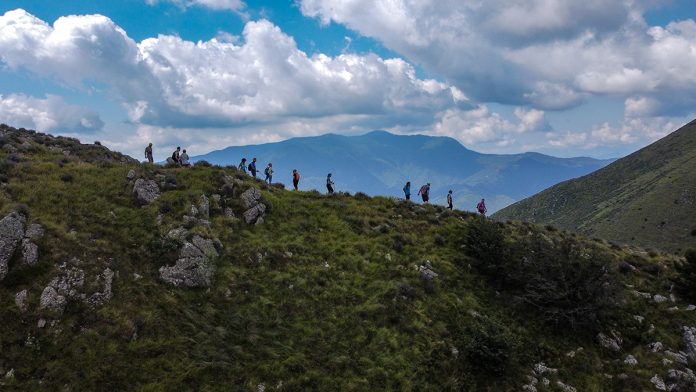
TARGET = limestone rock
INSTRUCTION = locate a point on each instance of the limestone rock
(51, 300)
(613, 344)
(689, 338)
(253, 214)
(660, 298)
(205, 245)
(34, 232)
(145, 191)
(678, 357)
(250, 198)
(541, 368)
(229, 213)
(204, 207)
(194, 268)
(11, 233)
(131, 174)
(179, 234)
(21, 301)
(630, 360)
(105, 279)
(678, 380)
(565, 387)
(656, 347)
(426, 272)
(30, 252)
(658, 383)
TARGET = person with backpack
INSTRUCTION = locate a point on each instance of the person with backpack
(295, 178)
(148, 153)
(329, 184)
(184, 160)
(242, 166)
(175, 155)
(481, 207)
(252, 167)
(407, 190)
(425, 192)
(269, 173)
(449, 200)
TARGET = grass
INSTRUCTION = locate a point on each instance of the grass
(312, 299)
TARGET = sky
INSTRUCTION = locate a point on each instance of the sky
(597, 78)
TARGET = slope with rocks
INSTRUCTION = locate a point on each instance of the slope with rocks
(646, 198)
(380, 163)
(153, 278)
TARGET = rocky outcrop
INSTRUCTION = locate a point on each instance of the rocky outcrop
(145, 191)
(255, 214)
(610, 343)
(131, 174)
(66, 285)
(105, 280)
(51, 300)
(204, 207)
(689, 338)
(250, 198)
(21, 301)
(30, 252)
(194, 267)
(11, 233)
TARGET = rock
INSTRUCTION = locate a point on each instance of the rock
(613, 344)
(11, 233)
(660, 298)
(229, 213)
(656, 347)
(131, 174)
(630, 360)
(170, 162)
(194, 211)
(565, 387)
(642, 294)
(41, 323)
(678, 357)
(145, 191)
(658, 383)
(10, 375)
(250, 198)
(666, 362)
(205, 245)
(178, 234)
(194, 267)
(625, 267)
(105, 279)
(639, 319)
(426, 271)
(51, 300)
(691, 308)
(30, 252)
(529, 388)
(678, 380)
(34, 232)
(254, 213)
(21, 301)
(689, 338)
(541, 368)
(204, 207)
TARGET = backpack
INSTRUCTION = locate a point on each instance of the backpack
(265, 171)
(174, 156)
(423, 190)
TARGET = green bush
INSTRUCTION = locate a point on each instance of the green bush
(485, 243)
(490, 349)
(686, 279)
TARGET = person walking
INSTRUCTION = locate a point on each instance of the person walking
(407, 190)
(252, 167)
(242, 166)
(449, 200)
(269, 173)
(424, 192)
(175, 155)
(184, 159)
(329, 184)
(295, 178)
(481, 207)
(148, 153)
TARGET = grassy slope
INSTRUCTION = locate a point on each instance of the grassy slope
(646, 198)
(320, 310)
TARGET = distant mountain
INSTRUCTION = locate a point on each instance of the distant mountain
(380, 163)
(647, 198)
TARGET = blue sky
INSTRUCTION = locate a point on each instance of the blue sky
(598, 78)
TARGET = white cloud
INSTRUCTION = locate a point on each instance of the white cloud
(50, 114)
(550, 54)
(265, 79)
(630, 132)
(229, 5)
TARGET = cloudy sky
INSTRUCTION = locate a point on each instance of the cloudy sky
(594, 77)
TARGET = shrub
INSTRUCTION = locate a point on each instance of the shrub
(361, 196)
(693, 232)
(686, 278)
(489, 348)
(202, 163)
(485, 243)
(67, 177)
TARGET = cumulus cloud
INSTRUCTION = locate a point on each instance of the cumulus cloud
(50, 114)
(628, 132)
(550, 54)
(264, 79)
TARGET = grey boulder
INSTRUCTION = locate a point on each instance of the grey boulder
(11, 233)
(250, 198)
(145, 191)
(255, 213)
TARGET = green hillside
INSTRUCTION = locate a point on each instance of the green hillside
(170, 279)
(647, 198)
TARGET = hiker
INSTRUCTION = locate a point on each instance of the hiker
(329, 184)
(295, 178)
(407, 190)
(184, 160)
(175, 155)
(242, 166)
(481, 207)
(269, 173)
(252, 167)
(425, 192)
(449, 200)
(148, 153)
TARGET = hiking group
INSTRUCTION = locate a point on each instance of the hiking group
(181, 158)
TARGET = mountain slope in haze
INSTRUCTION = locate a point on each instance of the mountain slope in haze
(380, 163)
(647, 198)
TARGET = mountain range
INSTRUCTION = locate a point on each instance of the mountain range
(380, 163)
(647, 198)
